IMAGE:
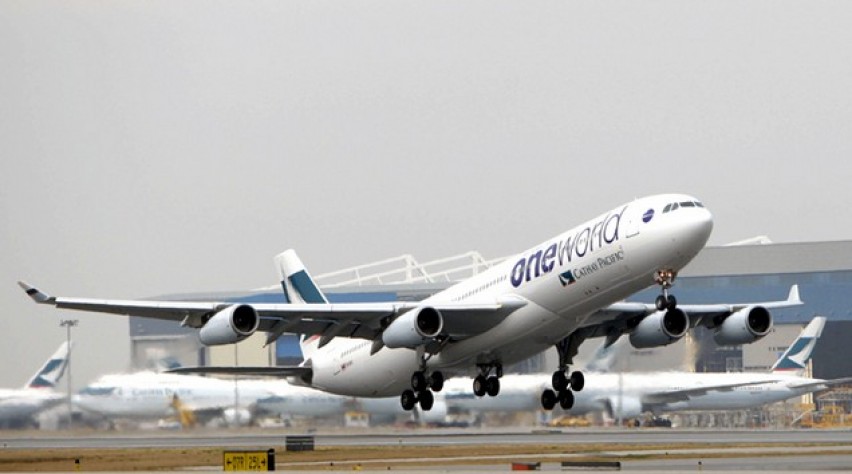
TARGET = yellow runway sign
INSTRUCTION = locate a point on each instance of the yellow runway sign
(248, 461)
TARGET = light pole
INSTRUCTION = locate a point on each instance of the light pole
(68, 324)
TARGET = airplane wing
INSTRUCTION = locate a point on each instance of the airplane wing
(359, 320)
(671, 396)
(826, 383)
(620, 318)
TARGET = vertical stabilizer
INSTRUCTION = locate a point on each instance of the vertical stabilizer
(299, 288)
(52, 370)
(605, 358)
(795, 359)
(296, 282)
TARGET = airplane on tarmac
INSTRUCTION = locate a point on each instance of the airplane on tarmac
(152, 395)
(198, 400)
(629, 395)
(557, 293)
(18, 406)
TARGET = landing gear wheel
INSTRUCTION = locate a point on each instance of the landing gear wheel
(479, 384)
(577, 381)
(548, 399)
(408, 400)
(436, 381)
(559, 381)
(426, 400)
(418, 381)
(492, 386)
(660, 303)
(566, 399)
(671, 302)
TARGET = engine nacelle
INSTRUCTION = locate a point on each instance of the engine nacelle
(232, 324)
(744, 327)
(660, 329)
(414, 328)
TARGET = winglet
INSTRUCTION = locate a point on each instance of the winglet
(793, 297)
(36, 295)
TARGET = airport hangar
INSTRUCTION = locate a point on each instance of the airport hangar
(740, 273)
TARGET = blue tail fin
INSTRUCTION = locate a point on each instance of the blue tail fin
(52, 370)
(296, 282)
(795, 359)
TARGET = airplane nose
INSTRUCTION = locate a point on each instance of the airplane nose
(695, 229)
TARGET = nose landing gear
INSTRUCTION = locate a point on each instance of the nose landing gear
(665, 279)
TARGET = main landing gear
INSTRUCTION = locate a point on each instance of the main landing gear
(422, 387)
(484, 384)
(564, 385)
(665, 278)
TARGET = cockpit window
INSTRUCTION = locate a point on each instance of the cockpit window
(677, 205)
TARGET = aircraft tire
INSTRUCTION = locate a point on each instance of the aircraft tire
(418, 381)
(479, 386)
(566, 399)
(492, 386)
(577, 381)
(436, 381)
(559, 381)
(427, 400)
(408, 399)
(548, 399)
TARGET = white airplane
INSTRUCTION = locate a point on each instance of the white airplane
(557, 293)
(629, 395)
(18, 406)
(153, 396)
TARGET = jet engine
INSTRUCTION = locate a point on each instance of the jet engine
(413, 328)
(660, 329)
(230, 325)
(744, 327)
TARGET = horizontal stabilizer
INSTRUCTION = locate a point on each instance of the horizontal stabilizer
(280, 371)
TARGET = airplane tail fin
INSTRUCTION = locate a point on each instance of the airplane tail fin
(52, 370)
(606, 356)
(296, 282)
(299, 287)
(795, 359)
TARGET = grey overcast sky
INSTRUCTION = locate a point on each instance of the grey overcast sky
(151, 147)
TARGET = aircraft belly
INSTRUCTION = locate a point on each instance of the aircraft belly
(522, 334)
(386, 373)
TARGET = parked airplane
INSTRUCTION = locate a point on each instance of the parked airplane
(152, 396)
(629, 395)
(18, 406)
(557, 293)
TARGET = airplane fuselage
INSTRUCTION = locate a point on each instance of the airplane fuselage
(562, 280)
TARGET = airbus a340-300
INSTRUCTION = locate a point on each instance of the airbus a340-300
(557, 293)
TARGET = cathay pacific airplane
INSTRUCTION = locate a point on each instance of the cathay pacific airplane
(153, 396)
(629, 395)
(18, 406)
(555, 294)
